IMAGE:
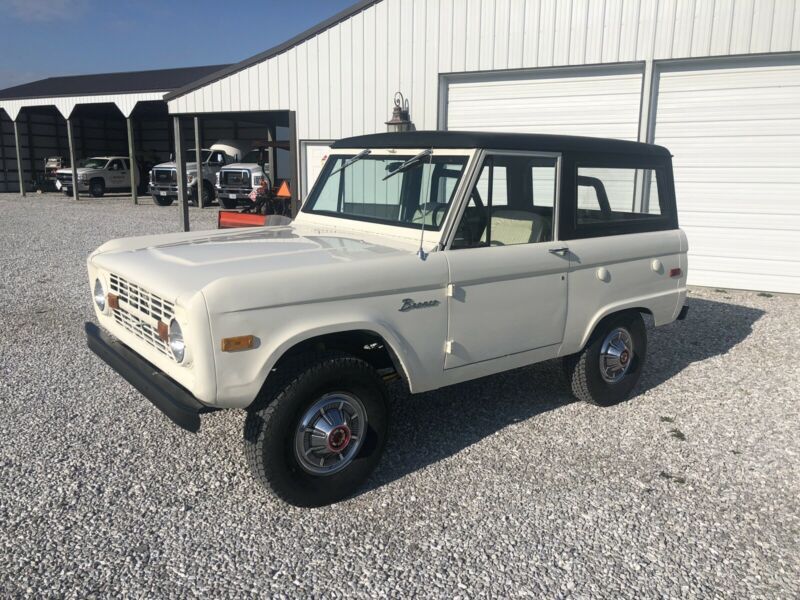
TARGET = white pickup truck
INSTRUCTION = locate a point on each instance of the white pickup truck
(164, 176)
(237, 180)
(432, 257)
(98, 175)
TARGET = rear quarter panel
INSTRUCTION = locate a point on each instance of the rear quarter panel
(614, 273)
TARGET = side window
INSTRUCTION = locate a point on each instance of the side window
(115, 165)
(217, 158)
(512, 203)
(616, 195)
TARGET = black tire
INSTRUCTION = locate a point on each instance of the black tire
(163, 200)
(269, 430)
(228, 203)
(97, 187)
(584, 371)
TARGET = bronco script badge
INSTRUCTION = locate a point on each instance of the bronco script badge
(409, 304)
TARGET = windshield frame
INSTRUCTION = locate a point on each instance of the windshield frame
(379, 225)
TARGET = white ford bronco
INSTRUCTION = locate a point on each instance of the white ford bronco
(98, 175)
(433, 257)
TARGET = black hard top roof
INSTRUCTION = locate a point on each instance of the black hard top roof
(109, 83)
(500, 141)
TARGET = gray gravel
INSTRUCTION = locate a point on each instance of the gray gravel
(498, 487)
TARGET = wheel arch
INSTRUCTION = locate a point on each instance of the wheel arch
(352, 338)
(603, 315)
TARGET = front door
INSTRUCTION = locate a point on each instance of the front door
(508, 278)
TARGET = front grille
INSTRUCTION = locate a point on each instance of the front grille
(139, 304)
(235, 178)
(165, 176)
(64, 177)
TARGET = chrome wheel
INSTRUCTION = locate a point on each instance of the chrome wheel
(330, 433)
(616, 355)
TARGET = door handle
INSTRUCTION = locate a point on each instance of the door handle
(559, 251)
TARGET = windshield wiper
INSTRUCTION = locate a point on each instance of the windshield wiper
(350, 161)
(409, 163)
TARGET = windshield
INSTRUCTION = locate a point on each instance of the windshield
(204, 154)
(423, 191)
(94, 163)
(251, 157)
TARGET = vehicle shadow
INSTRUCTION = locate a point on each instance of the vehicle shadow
(430, 427)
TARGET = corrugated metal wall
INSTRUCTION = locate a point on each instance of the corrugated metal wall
(341, 82)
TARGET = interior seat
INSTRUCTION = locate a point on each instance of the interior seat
(512, 226)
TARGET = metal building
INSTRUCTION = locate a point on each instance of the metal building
(716, 81)
(83, 115)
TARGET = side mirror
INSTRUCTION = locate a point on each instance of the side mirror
(262, 157)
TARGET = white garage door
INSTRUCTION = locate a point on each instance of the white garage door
(600, 102)
(735, 137)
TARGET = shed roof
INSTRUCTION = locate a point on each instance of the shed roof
(500, 141)
(160, 80)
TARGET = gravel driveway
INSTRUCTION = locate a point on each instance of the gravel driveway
(497, 487)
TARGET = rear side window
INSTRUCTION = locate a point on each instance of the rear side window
(615, 200)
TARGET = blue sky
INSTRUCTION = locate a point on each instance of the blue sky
(45, 38)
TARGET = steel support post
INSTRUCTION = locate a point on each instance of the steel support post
(180, 167)
(198, 155)
(132, 158)
(73, 160)
(19, 159)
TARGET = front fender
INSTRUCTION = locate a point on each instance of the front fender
(241, 375)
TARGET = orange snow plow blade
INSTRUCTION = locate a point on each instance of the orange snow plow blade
(229, 219)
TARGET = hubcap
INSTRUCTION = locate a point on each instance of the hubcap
(330, 433)
(616, 355)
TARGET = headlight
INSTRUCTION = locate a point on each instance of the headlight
(190, 179)
(256, 180)
(176, 343)
(218, 174)
(99, 295)
(151, 177)
(82, 178)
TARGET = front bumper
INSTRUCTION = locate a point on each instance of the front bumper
(169, 190)
(234, 193)
(175, 401)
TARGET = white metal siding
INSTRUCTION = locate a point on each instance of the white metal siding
(405, 44)
(735, 137)
(605, 104)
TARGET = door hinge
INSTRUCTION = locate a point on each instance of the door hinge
(451, 290)
(448, 347)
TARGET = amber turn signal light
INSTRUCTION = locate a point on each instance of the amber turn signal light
(163, 331)
(676, 272)
(113, 301)
(240, 342)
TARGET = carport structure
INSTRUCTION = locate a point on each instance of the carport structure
(87, 114)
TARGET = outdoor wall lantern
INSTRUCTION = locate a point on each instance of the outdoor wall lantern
(400, 120)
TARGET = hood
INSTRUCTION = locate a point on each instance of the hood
(244, 167)
(79, 170)
(176, 265)
(171, 165)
